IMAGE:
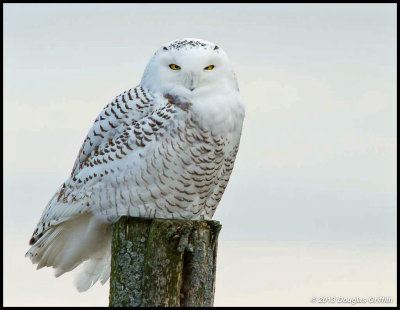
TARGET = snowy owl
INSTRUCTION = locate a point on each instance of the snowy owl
(164, 149)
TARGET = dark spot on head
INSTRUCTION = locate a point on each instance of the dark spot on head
(216, 47)
(165, 49)
(32, 241)
(179, 44)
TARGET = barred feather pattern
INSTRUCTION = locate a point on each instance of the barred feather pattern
(145, 156)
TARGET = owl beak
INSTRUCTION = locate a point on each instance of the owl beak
(191, 82)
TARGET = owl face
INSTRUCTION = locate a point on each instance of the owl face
(188, 67)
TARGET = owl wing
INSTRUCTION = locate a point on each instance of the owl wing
(102, 153)
(129, 106)
(72, 228)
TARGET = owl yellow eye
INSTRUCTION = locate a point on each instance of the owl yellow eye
(174, 67)
(210, 67)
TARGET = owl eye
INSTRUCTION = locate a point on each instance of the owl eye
(210, 67)
(174, 67)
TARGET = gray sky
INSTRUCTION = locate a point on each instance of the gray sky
(315, 176)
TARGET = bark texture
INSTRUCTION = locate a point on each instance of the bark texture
(163, 263)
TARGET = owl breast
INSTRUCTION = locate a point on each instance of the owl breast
(181, 173)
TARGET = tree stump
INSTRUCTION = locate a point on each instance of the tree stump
(163, 262)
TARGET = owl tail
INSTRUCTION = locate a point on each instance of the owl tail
(85, 239)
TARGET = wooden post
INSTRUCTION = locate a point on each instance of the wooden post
(161, 262)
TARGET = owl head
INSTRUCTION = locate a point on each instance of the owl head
(189, 67)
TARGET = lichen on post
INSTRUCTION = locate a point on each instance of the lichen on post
(163, 262)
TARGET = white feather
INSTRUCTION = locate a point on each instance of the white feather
(65, 246)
